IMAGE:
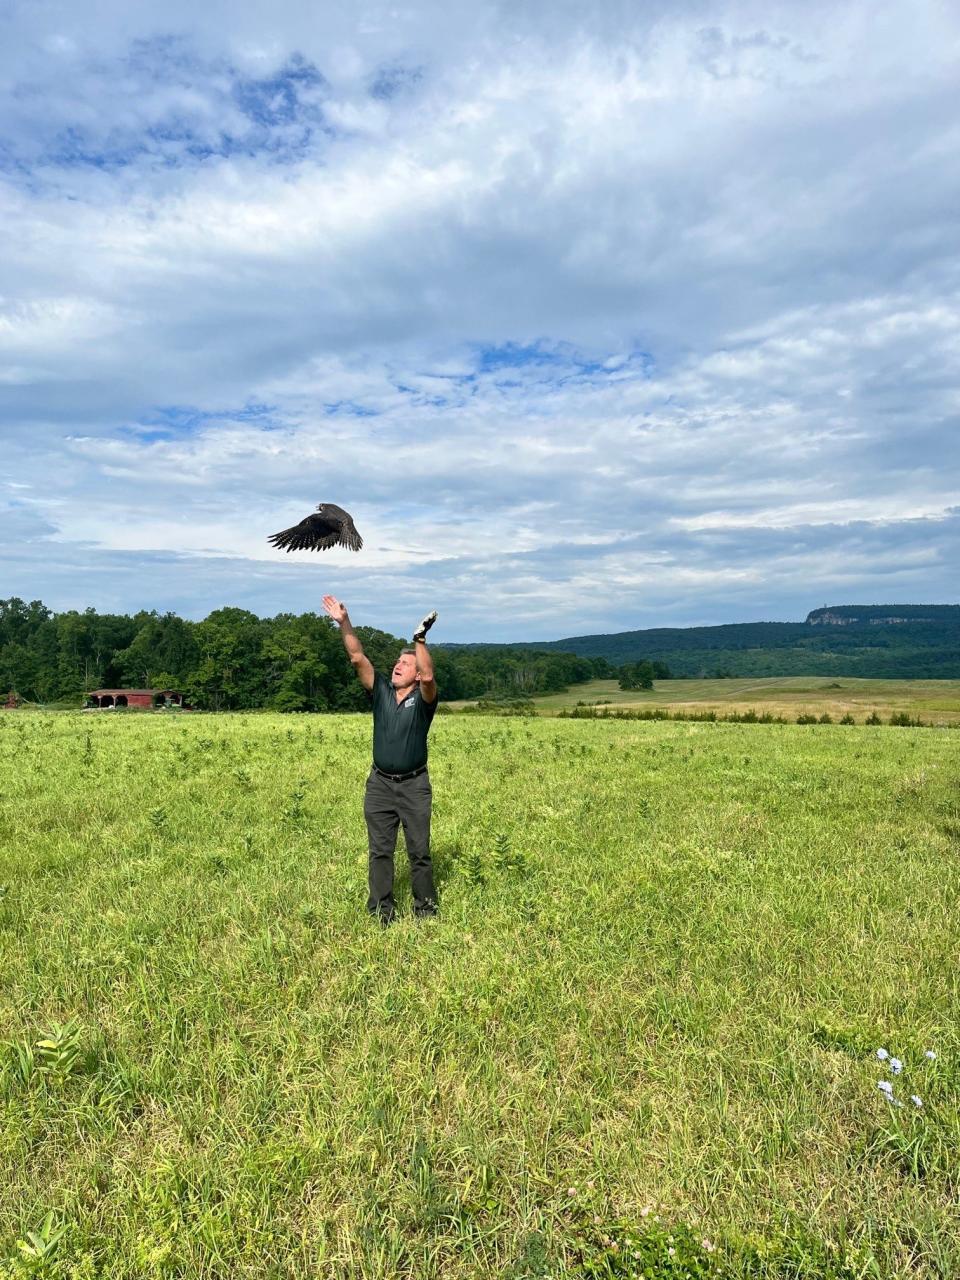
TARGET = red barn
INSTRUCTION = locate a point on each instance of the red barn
(147, 698)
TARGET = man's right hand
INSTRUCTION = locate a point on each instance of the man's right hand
(336, 610)
(351, 641)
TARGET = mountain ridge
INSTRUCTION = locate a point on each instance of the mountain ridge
(915, 641)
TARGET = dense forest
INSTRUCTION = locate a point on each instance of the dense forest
(234, 660)
(295, 662)
(904, 642)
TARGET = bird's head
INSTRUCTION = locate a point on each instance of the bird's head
(321, 506)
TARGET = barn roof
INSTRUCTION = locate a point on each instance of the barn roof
(98, 693)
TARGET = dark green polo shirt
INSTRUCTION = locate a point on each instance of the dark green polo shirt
(399, 729)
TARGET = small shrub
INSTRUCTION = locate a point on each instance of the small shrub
(57, 1054)
(38, 1247)
(501, 851)
(294, 811)
(474, 870)
(905, 721)
(506, 859)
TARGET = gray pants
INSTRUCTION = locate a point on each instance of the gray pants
(386, 805)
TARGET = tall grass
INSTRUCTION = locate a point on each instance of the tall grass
(646, 1018)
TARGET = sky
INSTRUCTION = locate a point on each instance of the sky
(594, 317)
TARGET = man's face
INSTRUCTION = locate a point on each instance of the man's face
(405, 671)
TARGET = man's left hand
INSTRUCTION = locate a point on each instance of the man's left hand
(425, 625)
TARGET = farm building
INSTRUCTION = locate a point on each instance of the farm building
(105, 699)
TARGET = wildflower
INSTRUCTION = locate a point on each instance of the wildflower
(671, 1251)
(931, 1055)
(645, 1211)
(885, 1087)
(917, 1102)
(882, 1055)
(896, 1066)
(571, 1191)
(708, 1245)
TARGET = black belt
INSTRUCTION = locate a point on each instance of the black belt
(400, 777)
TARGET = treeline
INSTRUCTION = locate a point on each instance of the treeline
(233, 660)
(924, 645)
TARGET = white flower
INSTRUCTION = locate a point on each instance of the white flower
(671, 1251)
(931, 1055)
(571, 1191)
(917, 1102)
(885, 1087)
(896, 1066)
(882, 1055)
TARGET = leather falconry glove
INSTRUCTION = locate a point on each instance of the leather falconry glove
(425, 625)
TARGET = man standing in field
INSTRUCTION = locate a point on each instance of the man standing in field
(398, 788)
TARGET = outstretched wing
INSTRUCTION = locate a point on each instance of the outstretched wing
(348, 533)
(343, 520)
(312, 534)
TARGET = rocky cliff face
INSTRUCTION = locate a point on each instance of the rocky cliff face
(832, 618)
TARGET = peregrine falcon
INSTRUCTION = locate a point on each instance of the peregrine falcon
(331, 526)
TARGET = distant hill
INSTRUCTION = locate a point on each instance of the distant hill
(905, 641)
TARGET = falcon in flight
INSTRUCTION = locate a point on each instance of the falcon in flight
(330, 526)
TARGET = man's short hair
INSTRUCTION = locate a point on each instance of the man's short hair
(407, 649)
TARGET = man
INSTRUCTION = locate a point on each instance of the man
(398, 788)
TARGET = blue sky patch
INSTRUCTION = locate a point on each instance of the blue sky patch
(173, 421)
(391, 82)
(349, 409)
(285, 98)
(557, 361)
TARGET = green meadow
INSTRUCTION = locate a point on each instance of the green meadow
(639, 1041)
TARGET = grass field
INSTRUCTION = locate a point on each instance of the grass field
(937, 701)
(640, 1040)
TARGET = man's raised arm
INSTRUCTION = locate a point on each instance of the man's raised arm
(351, 641)
(428, 683)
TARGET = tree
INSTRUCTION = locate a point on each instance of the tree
(229, 673)
(162, 645)
(636, 675)
(296, 672)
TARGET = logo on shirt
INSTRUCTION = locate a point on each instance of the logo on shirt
(409, 702)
